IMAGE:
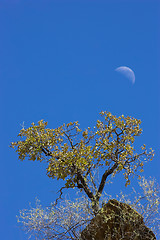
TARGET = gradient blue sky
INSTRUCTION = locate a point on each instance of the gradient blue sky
(57, 63)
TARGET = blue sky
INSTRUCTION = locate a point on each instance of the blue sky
(57, 63)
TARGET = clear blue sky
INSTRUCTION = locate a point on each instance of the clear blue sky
(57, 62)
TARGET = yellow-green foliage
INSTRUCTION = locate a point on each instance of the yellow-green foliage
(109, 142)
(75, 155)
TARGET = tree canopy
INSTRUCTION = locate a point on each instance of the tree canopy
(75, 155)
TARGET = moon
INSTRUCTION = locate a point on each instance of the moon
(127, 72)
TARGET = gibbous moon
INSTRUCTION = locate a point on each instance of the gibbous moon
(127, 72)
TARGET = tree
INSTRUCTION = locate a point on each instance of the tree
(62, 221)
(75, 155)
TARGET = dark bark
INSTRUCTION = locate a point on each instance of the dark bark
(103, 180)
